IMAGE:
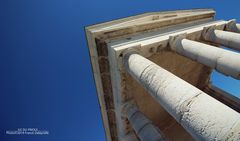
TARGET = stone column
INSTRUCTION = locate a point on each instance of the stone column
(224, 61)
(142, 126)
(202, 116)
(225, 38)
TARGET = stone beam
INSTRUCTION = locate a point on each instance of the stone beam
(224, 61)
(142, 126)
(225, 38)
(202, 116)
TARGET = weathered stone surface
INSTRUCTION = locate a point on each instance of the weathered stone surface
(225, 38)
(180, 66)
(201, 115)
(224, 61)
(223, 96)
(148, 33)
(142, 125)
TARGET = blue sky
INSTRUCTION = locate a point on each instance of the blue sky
(46, 77)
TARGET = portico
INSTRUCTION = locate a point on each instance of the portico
(152, 73)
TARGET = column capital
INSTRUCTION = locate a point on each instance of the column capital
(174, 41)
(207, 32)
(123, 55)
(231, 25)
(134, 49)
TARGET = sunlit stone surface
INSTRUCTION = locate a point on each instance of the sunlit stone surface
(161, 63)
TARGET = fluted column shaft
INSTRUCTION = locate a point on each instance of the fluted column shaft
(224, 61)
(201, 115)
(225, 38)
(142, 125)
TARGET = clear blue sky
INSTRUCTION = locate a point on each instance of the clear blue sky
(46, 77)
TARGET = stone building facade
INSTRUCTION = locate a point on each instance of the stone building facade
(152, 73)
